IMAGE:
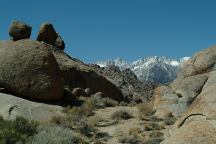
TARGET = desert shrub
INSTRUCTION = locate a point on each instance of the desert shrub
(19, 130)
(146, 111)
(123, 103)
(154, 141)
(130, 140)
(102, 135)
(85, 110)
(99, 102)
(153, 126)
(109, 102)
(76, 117)
(145, 108)
(56, 135)
(86, 128)
(156, 134)
(77, 123)
(58, 120)
(134, 131)
(121, 115)
(169, 121)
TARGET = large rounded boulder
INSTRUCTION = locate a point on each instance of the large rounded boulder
(20, 30)
(28, 69)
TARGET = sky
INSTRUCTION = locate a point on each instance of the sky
(95, 30)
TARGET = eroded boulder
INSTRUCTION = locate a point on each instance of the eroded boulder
(19, 30)
(13, 106)
(30, 70)
(195, 89)
(48, 35)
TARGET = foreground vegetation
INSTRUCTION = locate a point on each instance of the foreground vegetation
(80, 125)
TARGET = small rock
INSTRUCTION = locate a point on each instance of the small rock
(47, 34)
(99, 94)
(19, 30)
(68, 96)
(87, 92)
(77, 92)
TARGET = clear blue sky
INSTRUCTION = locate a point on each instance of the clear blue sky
(101, 29)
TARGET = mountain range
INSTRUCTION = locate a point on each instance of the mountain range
(150, 69)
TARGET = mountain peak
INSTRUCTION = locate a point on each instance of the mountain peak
(159, 69)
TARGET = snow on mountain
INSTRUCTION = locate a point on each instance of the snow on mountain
(153, 69)
(116, 62)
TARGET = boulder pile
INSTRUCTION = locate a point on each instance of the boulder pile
(41, 70)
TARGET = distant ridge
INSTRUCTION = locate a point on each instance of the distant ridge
(150, 69)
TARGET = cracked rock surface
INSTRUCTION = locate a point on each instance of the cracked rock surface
(12, 106)
(192, 98)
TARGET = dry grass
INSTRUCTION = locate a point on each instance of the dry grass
(146, 111)
(130, 140)
(19, 130)
(156, 134)
(77, 117)
(153, 126)
(135, 131)
(122, 114)
(154, 141)
(170, 120)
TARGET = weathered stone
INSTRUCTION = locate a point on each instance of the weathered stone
(77, 92)
(30, 70)
(196, 132)
(78, 74)
(47, 34)
(12, 107)
(19, 30)
(195, 86)
(99, 94)
(87, 92)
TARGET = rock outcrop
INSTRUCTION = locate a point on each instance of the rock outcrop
(77, 74)
(30, 70)
(19, 30)
(197, 132)
(131, 87)
(192, 98)
(13, 106)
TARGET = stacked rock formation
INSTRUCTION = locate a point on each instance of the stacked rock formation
(40, 69)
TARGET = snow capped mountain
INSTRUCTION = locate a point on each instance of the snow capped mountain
(153, 69)
(116, 62)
